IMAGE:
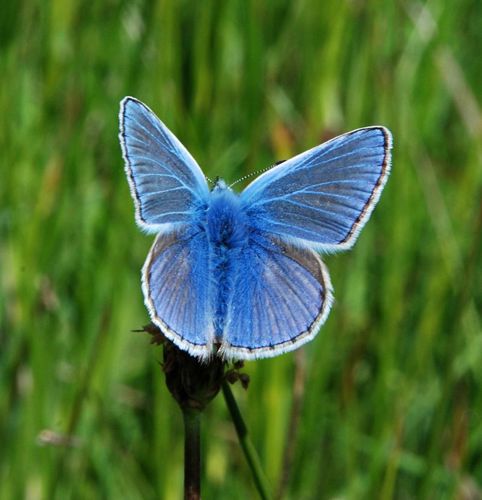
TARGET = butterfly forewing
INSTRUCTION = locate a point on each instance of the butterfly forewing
(166, 182)
(323, 197)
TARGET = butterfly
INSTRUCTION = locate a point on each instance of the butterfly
(239, 275)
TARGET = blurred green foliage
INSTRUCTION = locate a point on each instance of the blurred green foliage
(392, 401)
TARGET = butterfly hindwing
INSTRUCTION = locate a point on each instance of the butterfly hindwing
(166, 182)
(282, 295)
(176, 290)
(323, 197)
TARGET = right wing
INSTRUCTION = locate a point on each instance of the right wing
(323, 197)
(282, 295)
(166, 182)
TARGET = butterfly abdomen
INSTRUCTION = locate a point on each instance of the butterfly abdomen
(227, 237)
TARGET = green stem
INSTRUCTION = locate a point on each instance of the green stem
(249, 451)
(192, 454)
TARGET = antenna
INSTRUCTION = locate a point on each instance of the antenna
(256, 173)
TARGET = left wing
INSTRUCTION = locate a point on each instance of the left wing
(176, 286)
(166, 182)
(323, 197)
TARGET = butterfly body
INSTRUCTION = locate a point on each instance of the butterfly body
(228, 236)
(238, 275)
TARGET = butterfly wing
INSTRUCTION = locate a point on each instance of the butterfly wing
(282, 296)
(166, 182)
(175, 283)
(323, 197)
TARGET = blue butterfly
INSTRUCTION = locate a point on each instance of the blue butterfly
(237, 275)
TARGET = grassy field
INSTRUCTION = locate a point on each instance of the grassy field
(389, 393)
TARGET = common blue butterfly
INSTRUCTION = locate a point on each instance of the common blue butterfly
(238, 275)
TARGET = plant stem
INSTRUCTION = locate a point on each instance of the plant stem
(192, 453)
(249, 450)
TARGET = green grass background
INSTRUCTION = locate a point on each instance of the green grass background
(392, 403)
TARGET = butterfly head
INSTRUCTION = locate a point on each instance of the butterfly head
(220, 185)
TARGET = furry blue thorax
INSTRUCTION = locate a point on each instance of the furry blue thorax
(226, 222)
